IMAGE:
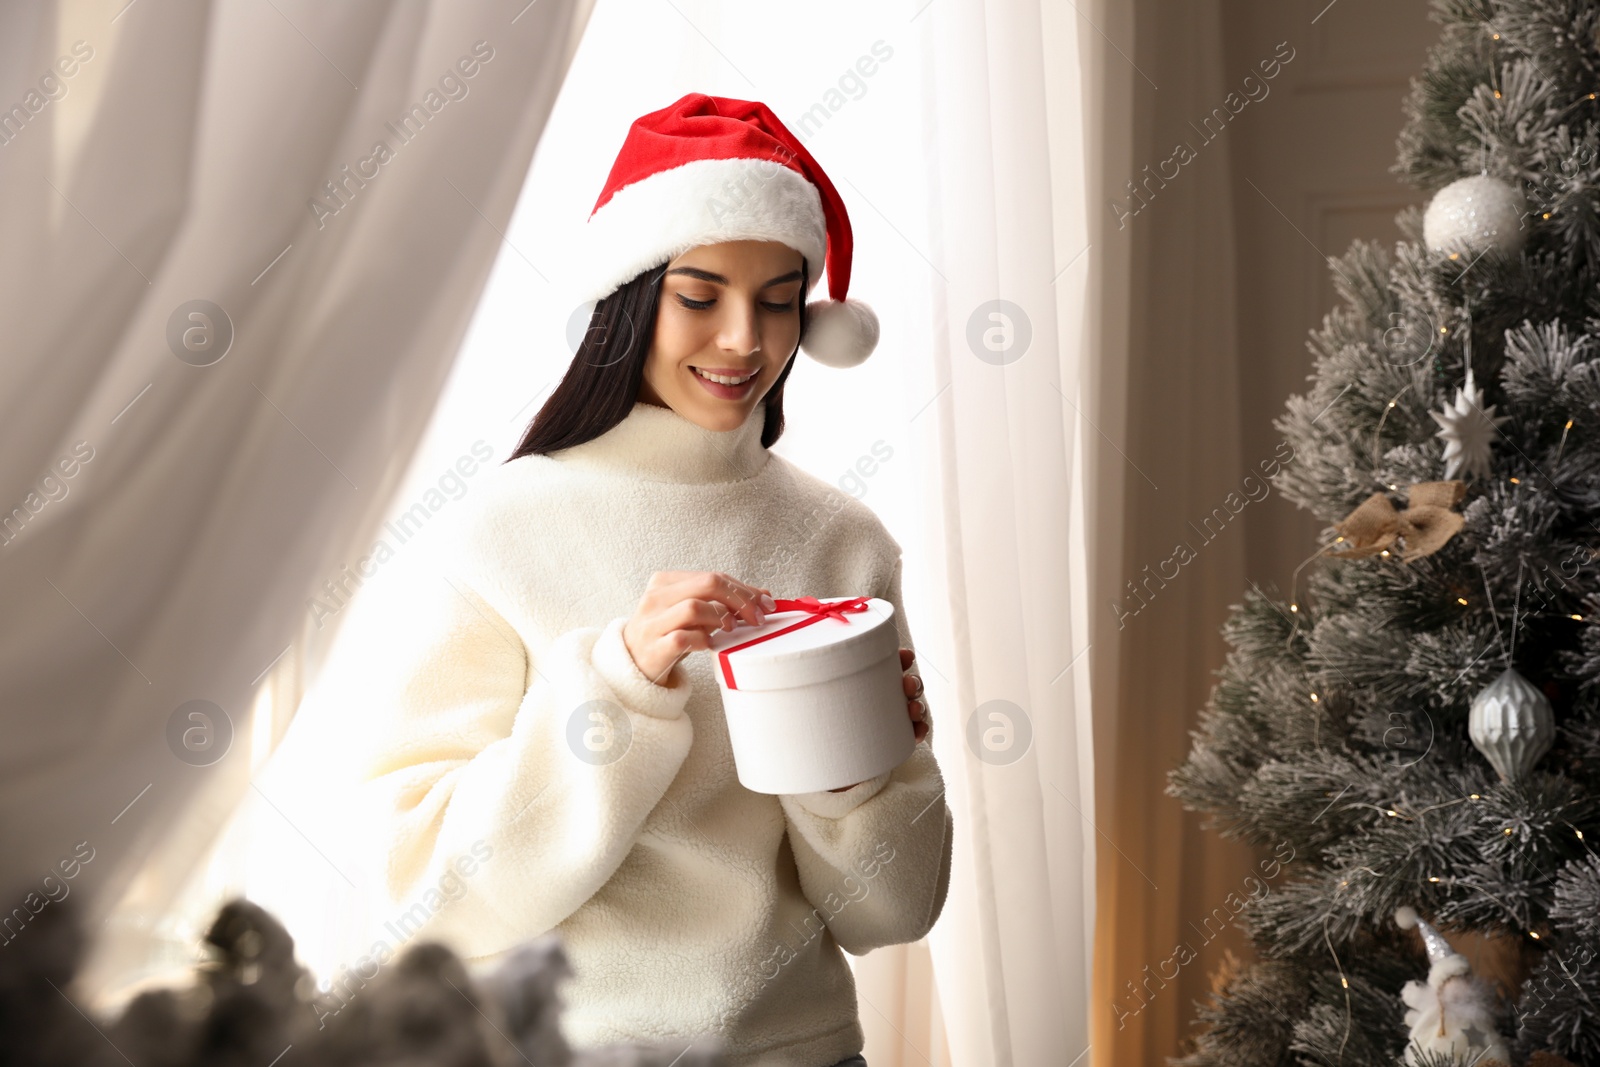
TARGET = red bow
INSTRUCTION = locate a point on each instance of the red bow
(817, 607)
(817, 612)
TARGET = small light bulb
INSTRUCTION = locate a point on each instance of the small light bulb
(1516, 481)
(1575, 618)
(1547, 214)
(1433, 878)
(1314, 698)
(1533, 934)
(1476, 797)
(1344, 981)
(1508, 831)
(1393, 814)
(1384, 553)
(1579, 833)
(1461, 600)
(1294, 607)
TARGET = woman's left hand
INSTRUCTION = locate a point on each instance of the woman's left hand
(912, 683)
(921, 725)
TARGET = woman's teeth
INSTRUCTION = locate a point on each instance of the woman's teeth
(723, 379)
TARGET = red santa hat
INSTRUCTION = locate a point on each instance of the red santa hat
(708, 169)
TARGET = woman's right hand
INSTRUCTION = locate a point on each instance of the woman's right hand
(679, 612)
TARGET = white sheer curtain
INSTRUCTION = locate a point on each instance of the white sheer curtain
(956, 134)
(227, 319)
(1010, 106)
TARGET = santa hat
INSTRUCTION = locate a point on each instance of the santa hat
(708, 169)
(1444, 961)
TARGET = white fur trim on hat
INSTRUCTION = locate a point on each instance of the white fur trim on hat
(840, 333)
(705, 201)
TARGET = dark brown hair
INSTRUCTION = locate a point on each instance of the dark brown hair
(602, 383)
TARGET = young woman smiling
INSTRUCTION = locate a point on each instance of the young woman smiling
(547, 701)
(727, 327)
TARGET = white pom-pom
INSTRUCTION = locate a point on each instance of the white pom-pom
(1405, 916)
(840, 333)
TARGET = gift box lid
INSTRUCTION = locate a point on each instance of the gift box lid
(806, 645)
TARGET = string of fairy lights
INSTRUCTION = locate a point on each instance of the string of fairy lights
(1395, 810)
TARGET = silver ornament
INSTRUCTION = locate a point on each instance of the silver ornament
(1474, 214)
(1512, 724)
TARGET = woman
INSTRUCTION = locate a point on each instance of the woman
(557, 744)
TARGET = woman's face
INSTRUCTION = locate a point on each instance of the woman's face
(731, 310)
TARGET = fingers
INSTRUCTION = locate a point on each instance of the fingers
(750, 601)
(686, 639)
(736, 599)
(739, 598)
(681, 610)
(690, 622)
(705, 617)
(920, 724)
(923, 725)
(911, 684)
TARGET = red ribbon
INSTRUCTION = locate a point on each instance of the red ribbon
(817, 612)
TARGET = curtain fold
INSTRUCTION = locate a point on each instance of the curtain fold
(1166, 452)
(232, 305)
(1009, 108)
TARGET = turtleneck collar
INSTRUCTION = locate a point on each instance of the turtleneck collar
(659, 445)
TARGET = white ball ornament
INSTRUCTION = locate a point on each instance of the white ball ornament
(1512, 724)
(1474, 214)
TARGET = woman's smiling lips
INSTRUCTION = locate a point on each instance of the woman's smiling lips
(727, 372)
(722, 390)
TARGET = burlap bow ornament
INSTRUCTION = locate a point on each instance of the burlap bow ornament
(1424, 526)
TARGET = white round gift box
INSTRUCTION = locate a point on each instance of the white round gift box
(814, 705)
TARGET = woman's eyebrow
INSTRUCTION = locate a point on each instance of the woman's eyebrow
(708, 276)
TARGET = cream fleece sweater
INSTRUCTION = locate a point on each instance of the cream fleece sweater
(688, 905)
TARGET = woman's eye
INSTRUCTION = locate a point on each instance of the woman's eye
(701, 305)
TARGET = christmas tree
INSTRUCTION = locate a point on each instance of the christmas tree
(1415, 720)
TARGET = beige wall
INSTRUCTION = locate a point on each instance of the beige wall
(1318, 148)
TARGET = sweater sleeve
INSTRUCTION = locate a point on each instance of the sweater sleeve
(891, 833)
(543, 770)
